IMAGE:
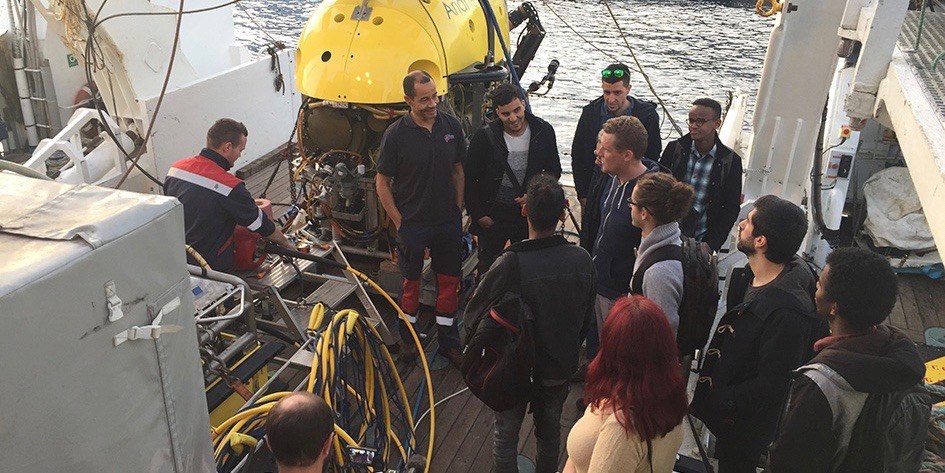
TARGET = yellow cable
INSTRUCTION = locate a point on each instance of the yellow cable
(232, 431)
(423, 358)
(244, 414)
(197, 257)
(760, 8)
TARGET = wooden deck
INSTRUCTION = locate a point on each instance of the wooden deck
(921, 306)
(463, 435)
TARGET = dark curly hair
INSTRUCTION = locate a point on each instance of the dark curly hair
(782, 223)
(545, 202)
(862, 284)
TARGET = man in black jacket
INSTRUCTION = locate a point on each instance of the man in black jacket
(861, 359)
(615, 102)
(714, 170)
(520, 143)
(767, 332)
(556, 280)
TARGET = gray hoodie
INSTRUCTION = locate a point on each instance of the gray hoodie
(663, 282)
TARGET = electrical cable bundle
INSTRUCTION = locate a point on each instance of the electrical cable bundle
(356, 375)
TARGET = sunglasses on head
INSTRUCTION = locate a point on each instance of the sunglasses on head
(608, 73)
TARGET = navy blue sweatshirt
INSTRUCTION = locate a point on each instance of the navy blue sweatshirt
(616, 237)
(215, 201)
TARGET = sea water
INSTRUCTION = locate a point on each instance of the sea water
(688, 48)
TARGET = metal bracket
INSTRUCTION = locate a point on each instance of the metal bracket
(113, 302)
(361, 12)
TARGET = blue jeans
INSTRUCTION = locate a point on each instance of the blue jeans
(546, 409)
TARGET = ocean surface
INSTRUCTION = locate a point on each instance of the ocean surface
(688, 48)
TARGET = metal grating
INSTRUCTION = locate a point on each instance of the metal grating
(932, 44)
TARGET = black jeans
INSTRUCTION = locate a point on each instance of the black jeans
(737, 457)
(508, 226)
(546, 408)
(445, 244)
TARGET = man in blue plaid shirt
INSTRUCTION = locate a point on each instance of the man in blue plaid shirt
(713, 169)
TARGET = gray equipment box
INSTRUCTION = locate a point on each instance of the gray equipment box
(98, 350)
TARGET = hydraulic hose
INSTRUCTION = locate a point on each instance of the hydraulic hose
(356, 375)
(491, 18)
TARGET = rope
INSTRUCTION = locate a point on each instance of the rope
(642, 72)
(760, 8)
(591, 44)
(918, 35)
(258, 26)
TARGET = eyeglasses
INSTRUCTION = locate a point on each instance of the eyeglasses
(631, 202)
(617, 73)
(697, 122)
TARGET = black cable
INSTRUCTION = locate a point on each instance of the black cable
(277, 333)
(184, 12)
(90, 60)
(287, 154)
(92, 25)
(816, 198)
(160, 100)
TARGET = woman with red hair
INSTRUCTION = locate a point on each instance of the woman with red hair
(635, 394)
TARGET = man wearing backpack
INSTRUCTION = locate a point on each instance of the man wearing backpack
(556, 281)
(679, 273)
(767, 332)
(855, 406)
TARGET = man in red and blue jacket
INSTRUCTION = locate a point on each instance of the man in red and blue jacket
(214, 200)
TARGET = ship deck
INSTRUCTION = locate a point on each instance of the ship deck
(463, 434)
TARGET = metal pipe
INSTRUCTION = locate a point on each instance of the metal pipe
(34, 59)
(248, 315)
(203, 336)
(237, 347)
(26, 105)
(365, 252)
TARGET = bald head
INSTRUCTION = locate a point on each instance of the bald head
(298, 428)
(412, 79)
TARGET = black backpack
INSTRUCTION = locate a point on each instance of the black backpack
(499, 357)
(700, 300)
(889, 434)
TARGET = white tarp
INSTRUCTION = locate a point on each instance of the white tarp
(894, 216)
(54, 211)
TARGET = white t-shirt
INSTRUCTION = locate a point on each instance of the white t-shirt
(518, 161)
